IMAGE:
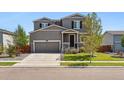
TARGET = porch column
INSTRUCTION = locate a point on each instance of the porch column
(77, 41)
(62, 42)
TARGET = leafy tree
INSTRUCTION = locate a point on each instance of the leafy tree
(122, 41)
(1, 49)
(20, 37)
(122, 44)
(92, 39)
(11, 50)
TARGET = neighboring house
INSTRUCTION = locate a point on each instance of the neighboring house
(113, 38)
(51, 35)
(6, 37)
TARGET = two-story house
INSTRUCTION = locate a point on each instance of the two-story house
(53, 36)
(113, 38)
(6, 37)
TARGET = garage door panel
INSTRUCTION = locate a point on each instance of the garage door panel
(46, 47)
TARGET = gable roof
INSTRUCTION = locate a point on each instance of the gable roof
(47, 28)
(74, 15)
(45, 18)
(53, 25)
(6, 32)
(115, 32)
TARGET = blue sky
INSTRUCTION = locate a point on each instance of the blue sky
(10, 20)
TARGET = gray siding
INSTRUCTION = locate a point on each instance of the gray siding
(107, 39)
(7, 39)
(37, 23)
(44, 35)
(117, 43)
(67, 22)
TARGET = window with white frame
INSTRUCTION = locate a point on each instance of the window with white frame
(44, 25)
(76, 24)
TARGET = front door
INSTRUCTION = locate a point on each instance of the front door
(71, 40)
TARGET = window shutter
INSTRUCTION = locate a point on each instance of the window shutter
(72, 24)
(80, 24)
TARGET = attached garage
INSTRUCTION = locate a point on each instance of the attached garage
(47, 40)
(50, 46)
(118, 47)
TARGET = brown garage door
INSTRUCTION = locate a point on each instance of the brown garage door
(46, 47)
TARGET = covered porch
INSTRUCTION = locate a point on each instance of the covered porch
(70, 39)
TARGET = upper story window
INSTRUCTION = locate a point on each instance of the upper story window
(76, 24)
(43, 25)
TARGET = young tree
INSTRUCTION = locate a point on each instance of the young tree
(92, 38)
(122, 44)
(20, 37)
(122, 41)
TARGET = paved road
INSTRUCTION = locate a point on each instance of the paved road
(62, 73)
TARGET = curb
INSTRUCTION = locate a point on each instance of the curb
(11, 61)
(63, 67)
(96, 61)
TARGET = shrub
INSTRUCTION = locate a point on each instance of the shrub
(71, 51)
(25, 49)
(105, 48)
(66, 51)
(81, 49)
(11, 50)
(73, 64)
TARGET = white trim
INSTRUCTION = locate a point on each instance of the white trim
(62, 42)
(69, 39)
(44, 29)
(77, 41)
(34, 41)
(55, 26)
(74, 31)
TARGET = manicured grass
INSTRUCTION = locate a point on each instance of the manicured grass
(7, 63)
(85, 57)
(90, 64)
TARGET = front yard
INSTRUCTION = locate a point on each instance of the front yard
(91, 64)
(85, 57)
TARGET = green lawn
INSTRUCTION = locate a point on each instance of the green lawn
(7, 63)
(85, 57)
(90, 64)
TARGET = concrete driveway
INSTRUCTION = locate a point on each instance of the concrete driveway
(40, 60)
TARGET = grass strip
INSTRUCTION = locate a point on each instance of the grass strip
(90, 64)
(7, 63)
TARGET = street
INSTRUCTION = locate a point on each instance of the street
(42, 73)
